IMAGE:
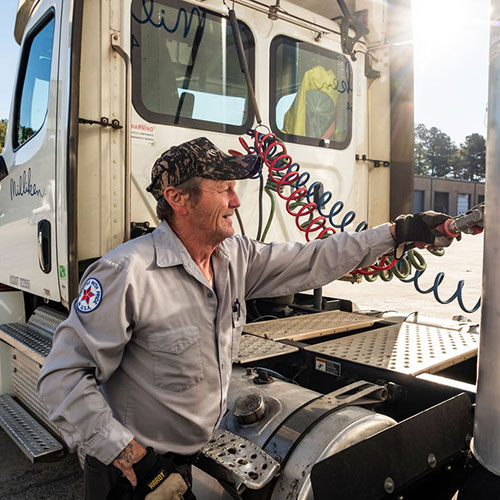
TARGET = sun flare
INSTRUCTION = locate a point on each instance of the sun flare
(436, 23)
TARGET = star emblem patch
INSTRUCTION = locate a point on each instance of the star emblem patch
(90, 296)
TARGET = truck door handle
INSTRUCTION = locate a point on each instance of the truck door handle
(44, 246)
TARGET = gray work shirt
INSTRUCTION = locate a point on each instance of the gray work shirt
(150, 331)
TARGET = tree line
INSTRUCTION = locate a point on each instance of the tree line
(437, 155)
(3, 128)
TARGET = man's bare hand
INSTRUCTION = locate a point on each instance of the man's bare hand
(132, 453)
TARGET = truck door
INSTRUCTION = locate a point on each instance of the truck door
(28, 198)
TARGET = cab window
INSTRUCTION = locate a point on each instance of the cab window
(185, 67)
(32, 95)
(311, 94)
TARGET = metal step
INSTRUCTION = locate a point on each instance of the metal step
(26, 373)
(253, 348)
(34, 338)
(26, 339)
(310, 326)
(30, 344)
(46, 320)
(237, 462)
(406, 348)
(33, 440)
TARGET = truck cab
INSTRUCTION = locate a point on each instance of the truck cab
(103, 88)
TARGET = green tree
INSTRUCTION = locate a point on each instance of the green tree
(457, 165)
(441, 151)
(473, 157)
(420, 149)
(434, 152)
(3, 129)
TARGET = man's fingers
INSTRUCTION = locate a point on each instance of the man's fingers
(421, 244)
(172, 488)
(130, 455)
(130, 475)
(442, 241)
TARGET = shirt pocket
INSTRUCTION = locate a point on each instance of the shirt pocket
(177, 364)
(236, 338)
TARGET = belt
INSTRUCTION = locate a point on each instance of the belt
(182, 459)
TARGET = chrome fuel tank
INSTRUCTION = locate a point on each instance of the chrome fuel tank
(258, 411)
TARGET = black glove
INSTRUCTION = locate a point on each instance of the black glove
(153, 473)
(121, 490)
(420, 227)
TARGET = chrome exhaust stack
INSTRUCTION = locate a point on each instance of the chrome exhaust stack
(486, 441)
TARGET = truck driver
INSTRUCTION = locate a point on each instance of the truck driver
(139, 371)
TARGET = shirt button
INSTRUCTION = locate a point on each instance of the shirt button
(210, 294)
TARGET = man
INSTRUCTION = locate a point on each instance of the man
(159, 318)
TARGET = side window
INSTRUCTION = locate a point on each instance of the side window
(311, 94)
(185, 67)
(32, 96)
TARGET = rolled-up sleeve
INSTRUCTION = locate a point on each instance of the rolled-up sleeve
(281, 268)
(88, 347)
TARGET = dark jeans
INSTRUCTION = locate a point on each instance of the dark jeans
(99, 479)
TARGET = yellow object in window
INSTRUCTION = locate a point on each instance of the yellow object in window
(317, 78)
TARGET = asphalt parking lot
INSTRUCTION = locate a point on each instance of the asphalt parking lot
(22, 480)
(463, 260)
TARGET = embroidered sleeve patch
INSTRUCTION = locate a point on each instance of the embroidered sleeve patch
(90, 296)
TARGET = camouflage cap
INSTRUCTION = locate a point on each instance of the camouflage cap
(199, 157)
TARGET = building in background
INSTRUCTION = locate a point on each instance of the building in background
(451, 196)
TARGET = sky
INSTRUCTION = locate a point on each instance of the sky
(451, 40)
(451, 46)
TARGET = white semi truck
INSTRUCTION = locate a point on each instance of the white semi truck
(322, 399)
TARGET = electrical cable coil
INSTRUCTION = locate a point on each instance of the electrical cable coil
(300, 202)
(303, 201)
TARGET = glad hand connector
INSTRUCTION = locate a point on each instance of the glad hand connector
(470, 222)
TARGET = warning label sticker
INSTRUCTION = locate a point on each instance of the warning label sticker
(328, 366)
(142, 133)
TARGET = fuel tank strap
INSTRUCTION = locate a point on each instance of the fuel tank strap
(281, 444)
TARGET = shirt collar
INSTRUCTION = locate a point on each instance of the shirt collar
(221, 252)
(170, 250)
(168, 246)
